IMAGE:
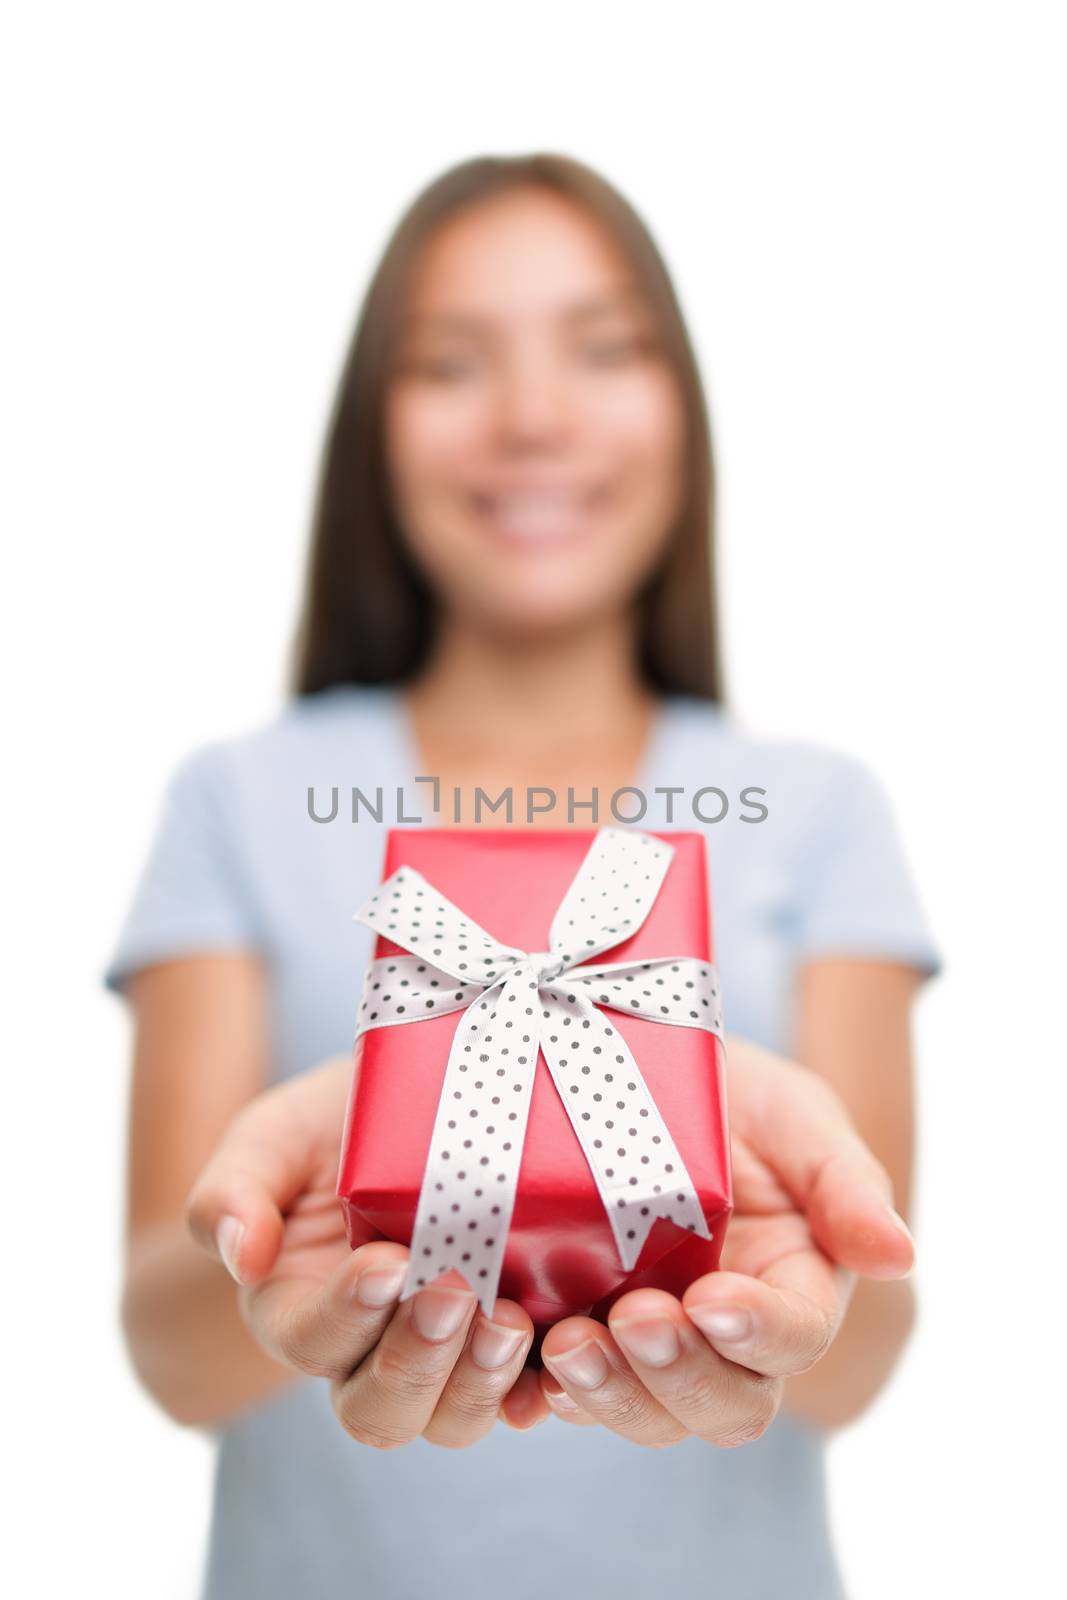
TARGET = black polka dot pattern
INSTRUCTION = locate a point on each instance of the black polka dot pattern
(399, 989)
(674, 989)
(472, 1170)
(611, 895)
(635, 1162)
(411, 912)
(517, 1004)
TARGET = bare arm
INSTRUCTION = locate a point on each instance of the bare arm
(199, 1055)
(853, 1028)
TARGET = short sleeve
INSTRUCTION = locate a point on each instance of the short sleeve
(190, 896)
(858, 894)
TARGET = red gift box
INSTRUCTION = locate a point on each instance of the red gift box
(561, 1257)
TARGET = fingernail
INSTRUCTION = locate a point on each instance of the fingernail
(228, 1236)
(524, 1427)
(731, 1324)
(438, 1313)
(585, 1366)
(378, 1286)
(901, 1226)
(654, 1341)
(493, 1346)
(562, 1400)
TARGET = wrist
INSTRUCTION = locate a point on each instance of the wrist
(861, 1360)
(177, 1301)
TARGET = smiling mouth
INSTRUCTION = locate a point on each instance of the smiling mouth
(541, 517)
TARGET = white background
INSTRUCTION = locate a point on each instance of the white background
(863, 210)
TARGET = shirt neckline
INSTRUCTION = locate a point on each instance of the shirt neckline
(657, 750)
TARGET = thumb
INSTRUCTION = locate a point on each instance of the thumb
(852, 1219)
(265, 1160)
(801, 1128)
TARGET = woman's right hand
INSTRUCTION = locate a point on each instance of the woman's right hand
(433, 1366)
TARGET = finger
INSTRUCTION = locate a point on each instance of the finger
(523, 1406)
(801, 1128)
(779, 1325)
(488, 1365)
(707, 1395)
(588, 1365)
(389, 1398)
(236, 1208)
(327, 1327)
(563, 1407)
(854, 1223)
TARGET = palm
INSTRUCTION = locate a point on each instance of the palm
(308, 1114)
(304, 1118)
(769, 1226)
(766, 1225)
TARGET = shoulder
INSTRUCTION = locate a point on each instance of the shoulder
(807, 769)
(816, 795)
(303, 726)
(306, 735)
(828, 863)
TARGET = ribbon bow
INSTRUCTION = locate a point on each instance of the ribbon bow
(515, 1004)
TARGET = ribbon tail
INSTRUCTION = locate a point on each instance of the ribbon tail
(635, 1163)
(471, 1176)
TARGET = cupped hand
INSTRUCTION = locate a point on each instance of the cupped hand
(433, 1365)
(812, 1211)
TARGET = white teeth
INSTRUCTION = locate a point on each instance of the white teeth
(542, 515)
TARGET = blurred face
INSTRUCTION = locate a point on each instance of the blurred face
(534, 430)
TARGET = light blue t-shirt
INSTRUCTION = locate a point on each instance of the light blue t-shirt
(238, 863)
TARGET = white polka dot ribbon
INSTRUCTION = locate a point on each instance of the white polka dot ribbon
(516, 1003)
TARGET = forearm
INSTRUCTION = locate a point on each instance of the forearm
(185, 1334)
(859, 1362)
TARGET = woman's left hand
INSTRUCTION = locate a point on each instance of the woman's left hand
(812, 1210)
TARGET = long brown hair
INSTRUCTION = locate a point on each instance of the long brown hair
(368, 614)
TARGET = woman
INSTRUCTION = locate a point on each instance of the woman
(510, 586)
